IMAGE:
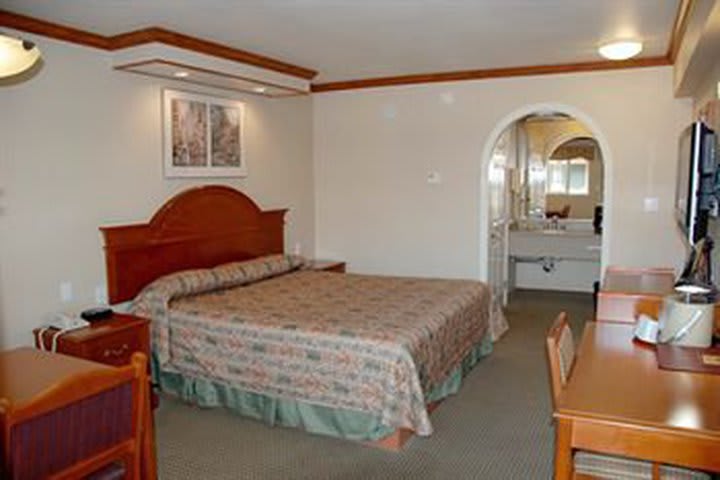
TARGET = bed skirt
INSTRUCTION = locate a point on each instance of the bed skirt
(348, 424)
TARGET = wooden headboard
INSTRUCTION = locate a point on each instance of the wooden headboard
(198, 228)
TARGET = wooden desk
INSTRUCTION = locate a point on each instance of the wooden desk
(626, 292)
(26, 373)
(619, 402)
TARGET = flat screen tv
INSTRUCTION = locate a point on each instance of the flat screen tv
(694, 197)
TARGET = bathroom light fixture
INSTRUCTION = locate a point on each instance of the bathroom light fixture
(181, 74)
(16, 55)
(621, 50)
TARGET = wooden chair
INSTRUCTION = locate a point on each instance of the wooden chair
(560, 348)
(88, 425)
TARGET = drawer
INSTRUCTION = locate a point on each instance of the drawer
(116, 349)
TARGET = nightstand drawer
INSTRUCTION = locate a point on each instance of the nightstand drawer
(115, 349)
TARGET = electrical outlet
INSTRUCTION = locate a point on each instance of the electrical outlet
(66, 292)
(434, 178)
(651, 204)
(101, 297)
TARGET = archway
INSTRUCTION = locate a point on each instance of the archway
(489, 146)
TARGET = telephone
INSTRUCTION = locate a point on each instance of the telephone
(67, 322)
(63, 322)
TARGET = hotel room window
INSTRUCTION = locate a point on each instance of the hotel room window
(568, 177)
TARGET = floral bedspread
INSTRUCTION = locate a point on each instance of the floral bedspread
(364, 343)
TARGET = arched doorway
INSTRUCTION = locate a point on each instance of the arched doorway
(490, 226)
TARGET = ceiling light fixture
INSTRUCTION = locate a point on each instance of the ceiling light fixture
(181, 74)
(621, 50)
(259, 89)
(16, 55)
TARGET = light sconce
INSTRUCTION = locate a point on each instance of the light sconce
(16, 55)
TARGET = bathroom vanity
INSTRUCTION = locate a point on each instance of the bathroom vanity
(559, 256)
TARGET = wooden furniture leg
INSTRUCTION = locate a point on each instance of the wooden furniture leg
(563, 450)
(149, 460)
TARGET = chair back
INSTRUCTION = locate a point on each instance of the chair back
(79, 426)
(561, 354)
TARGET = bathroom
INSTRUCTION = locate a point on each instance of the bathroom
(548, 197)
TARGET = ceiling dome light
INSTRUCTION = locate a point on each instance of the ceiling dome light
(181, 74)
(16, 55)
(620, 50)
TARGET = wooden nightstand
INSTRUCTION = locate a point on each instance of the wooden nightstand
(111, 341)
(328, 266)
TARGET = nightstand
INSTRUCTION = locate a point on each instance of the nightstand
(111, 341)
(328, 266)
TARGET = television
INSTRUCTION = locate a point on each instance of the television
(695, 189)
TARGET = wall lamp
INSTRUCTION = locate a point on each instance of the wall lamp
(16, 55)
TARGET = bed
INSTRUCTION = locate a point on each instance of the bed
(238, 323)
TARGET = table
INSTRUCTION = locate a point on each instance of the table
(26, 372)
(617, 401)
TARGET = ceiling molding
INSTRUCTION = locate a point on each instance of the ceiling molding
(490, 73)
(53, 30)
(168, 37)
(679, 28)
(145, 36)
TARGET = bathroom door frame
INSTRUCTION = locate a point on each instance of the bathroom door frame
(607, 158)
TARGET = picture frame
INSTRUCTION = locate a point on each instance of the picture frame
(202, 136)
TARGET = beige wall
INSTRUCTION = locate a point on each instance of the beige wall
(80, 146)
(374, 148)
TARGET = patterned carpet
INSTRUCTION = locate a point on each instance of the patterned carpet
(497, 427)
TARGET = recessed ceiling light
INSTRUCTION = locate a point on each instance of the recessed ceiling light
(181, 74)
(259, 89)
(621, 50)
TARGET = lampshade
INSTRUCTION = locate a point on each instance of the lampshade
(16, 55)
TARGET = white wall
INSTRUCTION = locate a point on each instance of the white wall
(373, 149)
(80, 147)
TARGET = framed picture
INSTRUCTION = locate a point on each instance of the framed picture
(202, 136)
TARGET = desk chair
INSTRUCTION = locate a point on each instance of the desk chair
(87, 426)
(561, 359)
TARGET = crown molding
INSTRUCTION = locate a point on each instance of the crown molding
(53, 30)
(145, 36)
(490, 73)
(168, 37)
(679, 28)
